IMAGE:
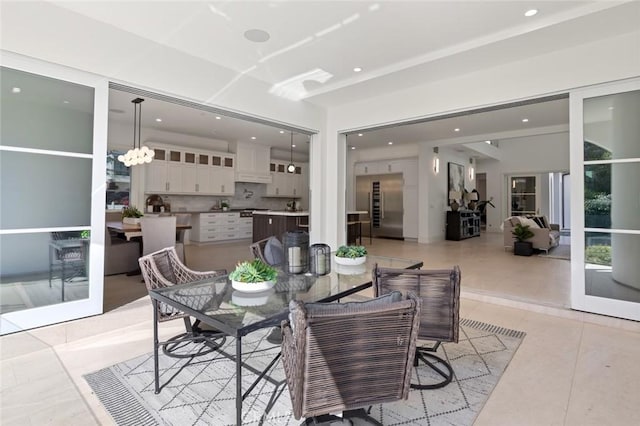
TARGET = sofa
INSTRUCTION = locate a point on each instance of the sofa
(546, 235)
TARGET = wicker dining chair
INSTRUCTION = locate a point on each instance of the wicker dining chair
(348, 356)
(163, 268)
(439, 291)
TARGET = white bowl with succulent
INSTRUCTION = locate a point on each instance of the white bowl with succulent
(253, 276)
(351, 255)
(131, 215)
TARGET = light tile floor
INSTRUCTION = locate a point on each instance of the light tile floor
(571, 369)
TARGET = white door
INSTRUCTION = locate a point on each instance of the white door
(52, 190)
(605, 215)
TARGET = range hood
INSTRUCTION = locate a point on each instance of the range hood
(252, 163)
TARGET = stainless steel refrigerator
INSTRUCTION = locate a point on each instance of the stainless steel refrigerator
(381, 196)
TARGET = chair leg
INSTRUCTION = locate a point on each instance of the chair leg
(208, 340)
(427, 356)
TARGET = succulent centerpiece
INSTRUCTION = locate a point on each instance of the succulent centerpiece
(253, 276)
(351, 255)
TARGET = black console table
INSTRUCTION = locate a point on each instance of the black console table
(463, 224)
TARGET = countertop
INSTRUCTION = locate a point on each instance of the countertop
(280, 213)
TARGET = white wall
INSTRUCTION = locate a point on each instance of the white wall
(536, 155)
(555, 72)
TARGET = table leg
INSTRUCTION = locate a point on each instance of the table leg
(239, 380)
(155, 346)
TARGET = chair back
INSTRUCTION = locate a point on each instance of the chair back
(343, 356)
(269, 250)
(439, 291)
(157, 233)
(163, 268)
(182, 219)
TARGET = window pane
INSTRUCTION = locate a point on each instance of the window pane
(611, 127)
(44, 113)
(37, 269)
(118, 181)
(611, 195)
(609, 269)
(42, 191)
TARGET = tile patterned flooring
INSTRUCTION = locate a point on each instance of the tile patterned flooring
(572, 368)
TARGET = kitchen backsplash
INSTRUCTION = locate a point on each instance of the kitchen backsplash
(246, 195)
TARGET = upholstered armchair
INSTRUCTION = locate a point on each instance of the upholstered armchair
(347, 356)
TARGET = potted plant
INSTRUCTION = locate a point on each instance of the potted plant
(351, 255)
(253, 276)
(224, 205)
(131, 215)
(521, 246)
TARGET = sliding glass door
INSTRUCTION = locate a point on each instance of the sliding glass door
(605, 138)
(52, 162)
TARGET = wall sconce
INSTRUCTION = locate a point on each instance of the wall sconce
(436, 161)
(471, 170)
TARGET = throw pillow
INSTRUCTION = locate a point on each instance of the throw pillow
(532, 223)
(274, 252)
(540, 221)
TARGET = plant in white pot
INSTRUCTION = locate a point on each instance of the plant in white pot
(351, 255)
(253, 276)
(131, 215)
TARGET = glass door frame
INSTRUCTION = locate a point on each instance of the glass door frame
(579, 299)
(93, 305)
(536, 194)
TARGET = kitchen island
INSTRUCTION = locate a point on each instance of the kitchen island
(267, 223)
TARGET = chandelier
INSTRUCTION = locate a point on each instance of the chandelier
(138, 154)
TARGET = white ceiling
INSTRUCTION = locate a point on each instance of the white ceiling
(398, 44)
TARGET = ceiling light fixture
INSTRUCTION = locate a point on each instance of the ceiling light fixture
(218, 117)
(531, 12)
(487, 142)
(291, 167)
(281, 131)
(16, 90)
(139, 154)
(353, 147)
(390, 143)
(357, 69)
(359, 134)
(525, 120)
(65, 102)
(456, 129)
(159, 120)
(257, 36)
(253, 137)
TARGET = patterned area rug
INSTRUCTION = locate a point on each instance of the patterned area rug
(201, 391)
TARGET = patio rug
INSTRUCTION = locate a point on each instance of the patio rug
(201, 391)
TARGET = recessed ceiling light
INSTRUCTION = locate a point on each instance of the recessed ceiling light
(218, 117)
(16, 90)
(489, 142)
(253, 137)
(611, 108)
(257, 36)
(281, 131)
(359, 134)
(357, 69)
(531, 12)
(456, 129)
(353, 147)
(390, 143)
(159, 120)
(293, 146)
(65, 102)
(525, 120)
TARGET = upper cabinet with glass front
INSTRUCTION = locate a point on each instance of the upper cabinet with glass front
(189, 171)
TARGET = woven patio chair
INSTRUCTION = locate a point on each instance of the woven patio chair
(269, 250)
(163, 269)
(439, 291)
(349, 356)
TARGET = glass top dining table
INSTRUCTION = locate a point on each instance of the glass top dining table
(214, 302)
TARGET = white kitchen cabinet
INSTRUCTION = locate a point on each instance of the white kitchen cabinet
(369, 168)
(284, 184)
(212, 227)
(252, 163)
(190, 172)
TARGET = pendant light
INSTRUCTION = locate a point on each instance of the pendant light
(138, 154)
(291, 167)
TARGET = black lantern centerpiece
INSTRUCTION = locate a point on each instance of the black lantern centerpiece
(319, 259)
(296, 251)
